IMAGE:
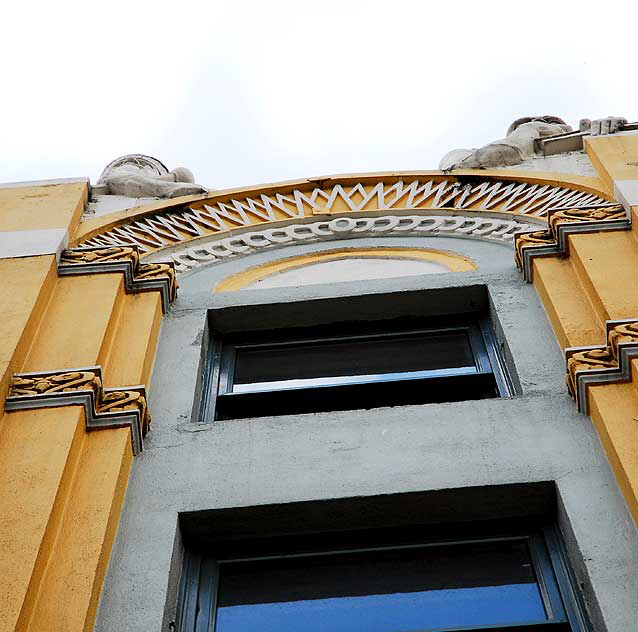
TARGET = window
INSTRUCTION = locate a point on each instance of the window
(354, 365)
(514, 581)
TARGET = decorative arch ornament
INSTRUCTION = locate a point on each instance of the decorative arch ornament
(198, 231)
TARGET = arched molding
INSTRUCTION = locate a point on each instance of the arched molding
(449, 261)
(485, 227)
(164, 226)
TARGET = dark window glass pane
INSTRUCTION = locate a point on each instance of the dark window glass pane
(355, 357)
(389, 591)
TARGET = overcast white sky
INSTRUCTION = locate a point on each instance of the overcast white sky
(250, 92)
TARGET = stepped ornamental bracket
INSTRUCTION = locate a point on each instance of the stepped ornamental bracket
(103, 407)
(604, 364)
(138, 277)
(553, 242)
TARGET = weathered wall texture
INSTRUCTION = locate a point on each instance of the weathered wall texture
(535, 436)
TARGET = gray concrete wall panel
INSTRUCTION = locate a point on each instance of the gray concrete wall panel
(536, 436)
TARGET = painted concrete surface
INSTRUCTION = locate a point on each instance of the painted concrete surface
(535, 436)
(576, 162)
(100, 204)
(354, 269)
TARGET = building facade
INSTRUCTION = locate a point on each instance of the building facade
(394, 401)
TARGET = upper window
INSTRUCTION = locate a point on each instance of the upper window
(516, 582)
(353, 366)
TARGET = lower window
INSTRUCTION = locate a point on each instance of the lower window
(516, 582)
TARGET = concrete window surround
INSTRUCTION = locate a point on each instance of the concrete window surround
(537, 437)
(393, 312)
(410, 518)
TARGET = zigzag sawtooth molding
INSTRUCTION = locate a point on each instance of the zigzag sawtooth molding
(605, 364)
(553, 241)
(103, 407)
(203, 218)
(138, 277)
(475, 227)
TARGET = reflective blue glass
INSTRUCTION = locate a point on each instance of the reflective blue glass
(398, 590)
(399, 612)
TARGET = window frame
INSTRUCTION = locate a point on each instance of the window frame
(219, 366)
(200, 581)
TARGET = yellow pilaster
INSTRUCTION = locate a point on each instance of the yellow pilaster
(597, 282)
(69, 589)
(573, 317)
(39, 452)
(614, 411)
(61, 487)
(130, 357)
(607, 263)
(78, 324)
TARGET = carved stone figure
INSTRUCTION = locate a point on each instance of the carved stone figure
(518, 145)
(139, 176)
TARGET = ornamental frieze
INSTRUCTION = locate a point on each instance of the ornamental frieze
(224, 213)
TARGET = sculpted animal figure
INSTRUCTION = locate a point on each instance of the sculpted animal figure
(138, 176)
(518, 145)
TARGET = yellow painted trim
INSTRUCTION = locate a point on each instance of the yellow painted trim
(454, 262)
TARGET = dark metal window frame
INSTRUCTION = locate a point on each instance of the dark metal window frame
(221, 358)
(200, 582)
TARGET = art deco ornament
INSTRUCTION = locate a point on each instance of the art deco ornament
(103, 407)
(553, 241)
(138, 277)
(604, 364)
